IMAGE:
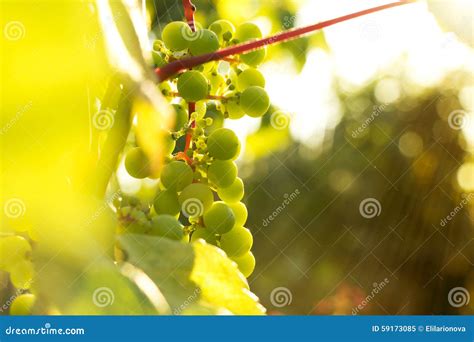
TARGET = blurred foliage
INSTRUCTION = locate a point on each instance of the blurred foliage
(329, 255)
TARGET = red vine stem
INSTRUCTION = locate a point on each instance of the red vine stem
(189, 10)
(175, 67)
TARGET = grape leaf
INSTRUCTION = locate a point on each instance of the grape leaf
(188, 273)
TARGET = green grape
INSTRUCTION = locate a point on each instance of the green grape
(23, 305)
(250, 77)
(21, 274)
(176, 35)
(216, 116)
(158, 58)
(158, 45)
(237, 242)
(233, 193)
(165, 89)
(168, 143)
(246, 263)
(195, 200)
(176, 175)
(223, 144)
(240, 212)
(255, 101)
(205, 234)
(254, 58)
(222, 173)
(233, 110)
(181, 117)
(247, 31)
(12, 250)
(219, 219)
(206, 42)
(137, 163)
(166, 226)
(224, 30)
(192, 86)
(166, 202)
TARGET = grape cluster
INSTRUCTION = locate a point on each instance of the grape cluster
(200, 194)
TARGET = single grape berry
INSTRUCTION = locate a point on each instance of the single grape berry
(158, 45)
(168, 143)
(233, 193)
(181, 118)
(206, 42)
(250, 77)
(237, 242)
(219, 219)
(223, 144)
(176, 176)
(205, 234)
(192, 86)
(222, 173)
(23, 305)
(176, 35)
(254, 58)
(166, 202)
(233, 110)
(137, 163)
(12, 250)
(224, 29)
(246, 263)
(166, 226)
(240, 212)
(158, 58)
(247, 31)
(195, 200)
(255, 101)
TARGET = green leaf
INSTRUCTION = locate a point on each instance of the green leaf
(190, 274)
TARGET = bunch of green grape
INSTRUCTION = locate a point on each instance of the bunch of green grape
(200, 193)
(15, 254)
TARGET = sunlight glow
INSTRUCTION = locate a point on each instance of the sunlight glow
(361, 50)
